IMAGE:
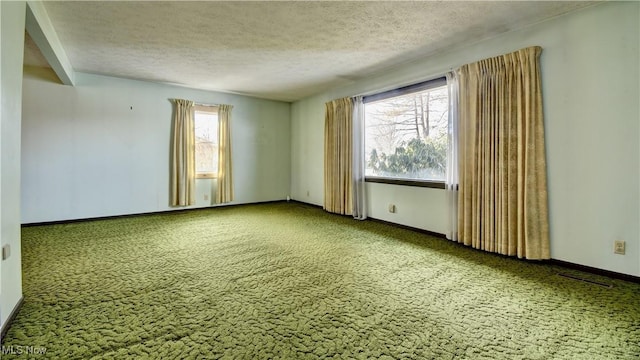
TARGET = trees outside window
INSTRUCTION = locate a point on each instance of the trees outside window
(206, 133)
(406, 135)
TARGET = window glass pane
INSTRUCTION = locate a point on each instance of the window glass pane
(406, 136)
(206, 131)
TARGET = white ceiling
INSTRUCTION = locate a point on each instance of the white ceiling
(274, 50)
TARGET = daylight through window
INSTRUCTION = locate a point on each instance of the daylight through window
(406, 132)
(206, 131)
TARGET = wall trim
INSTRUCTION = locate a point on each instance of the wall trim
(411, 228)
(561, 263)
(308, 204)
(594, 270)
(109, 217)
(12, 315)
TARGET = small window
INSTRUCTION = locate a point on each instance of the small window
(406, 133)
(206, 133)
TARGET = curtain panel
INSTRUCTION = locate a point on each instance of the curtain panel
(502, 200)
(359, 165)
(224, 191)
(338, 156)
(452, 180)
(183, 167)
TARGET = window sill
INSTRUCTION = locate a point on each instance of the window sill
(205, 176)
(407, 182)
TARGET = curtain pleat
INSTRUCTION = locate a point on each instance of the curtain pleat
(502, 202)
(183, 168)
(224, 192)
(338, 156)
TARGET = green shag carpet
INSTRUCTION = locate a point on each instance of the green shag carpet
(289, 281)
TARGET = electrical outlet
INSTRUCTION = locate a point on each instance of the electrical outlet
(618, 247)
(307, 193)
(6, 252)
(392, 208)
(206, 196)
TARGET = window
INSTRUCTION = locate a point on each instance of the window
(206, 131)
(406, 134)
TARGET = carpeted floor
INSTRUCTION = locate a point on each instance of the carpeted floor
(289, 281)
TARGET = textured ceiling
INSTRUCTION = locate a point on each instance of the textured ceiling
(275, 50)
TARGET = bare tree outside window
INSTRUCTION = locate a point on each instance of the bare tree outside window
(406, 136)
(206, 132)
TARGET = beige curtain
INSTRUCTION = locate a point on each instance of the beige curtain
(502, 204)
(224, 192)
(183, 167)
(338, 156)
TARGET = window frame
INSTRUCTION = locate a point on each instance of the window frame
(404, 90)
(433, 184)
(207, 109)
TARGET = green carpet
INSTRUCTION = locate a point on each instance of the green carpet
(289, 281)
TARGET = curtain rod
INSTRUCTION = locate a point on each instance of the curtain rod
(207, 105)
(402, 84)
(194, 103)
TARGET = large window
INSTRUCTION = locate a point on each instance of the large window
(406, 133)
(206, 131)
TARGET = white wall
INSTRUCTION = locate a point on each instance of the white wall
(591, 80)
(101, 148)
(12, 15)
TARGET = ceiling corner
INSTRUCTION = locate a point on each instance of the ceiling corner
(41, 30)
